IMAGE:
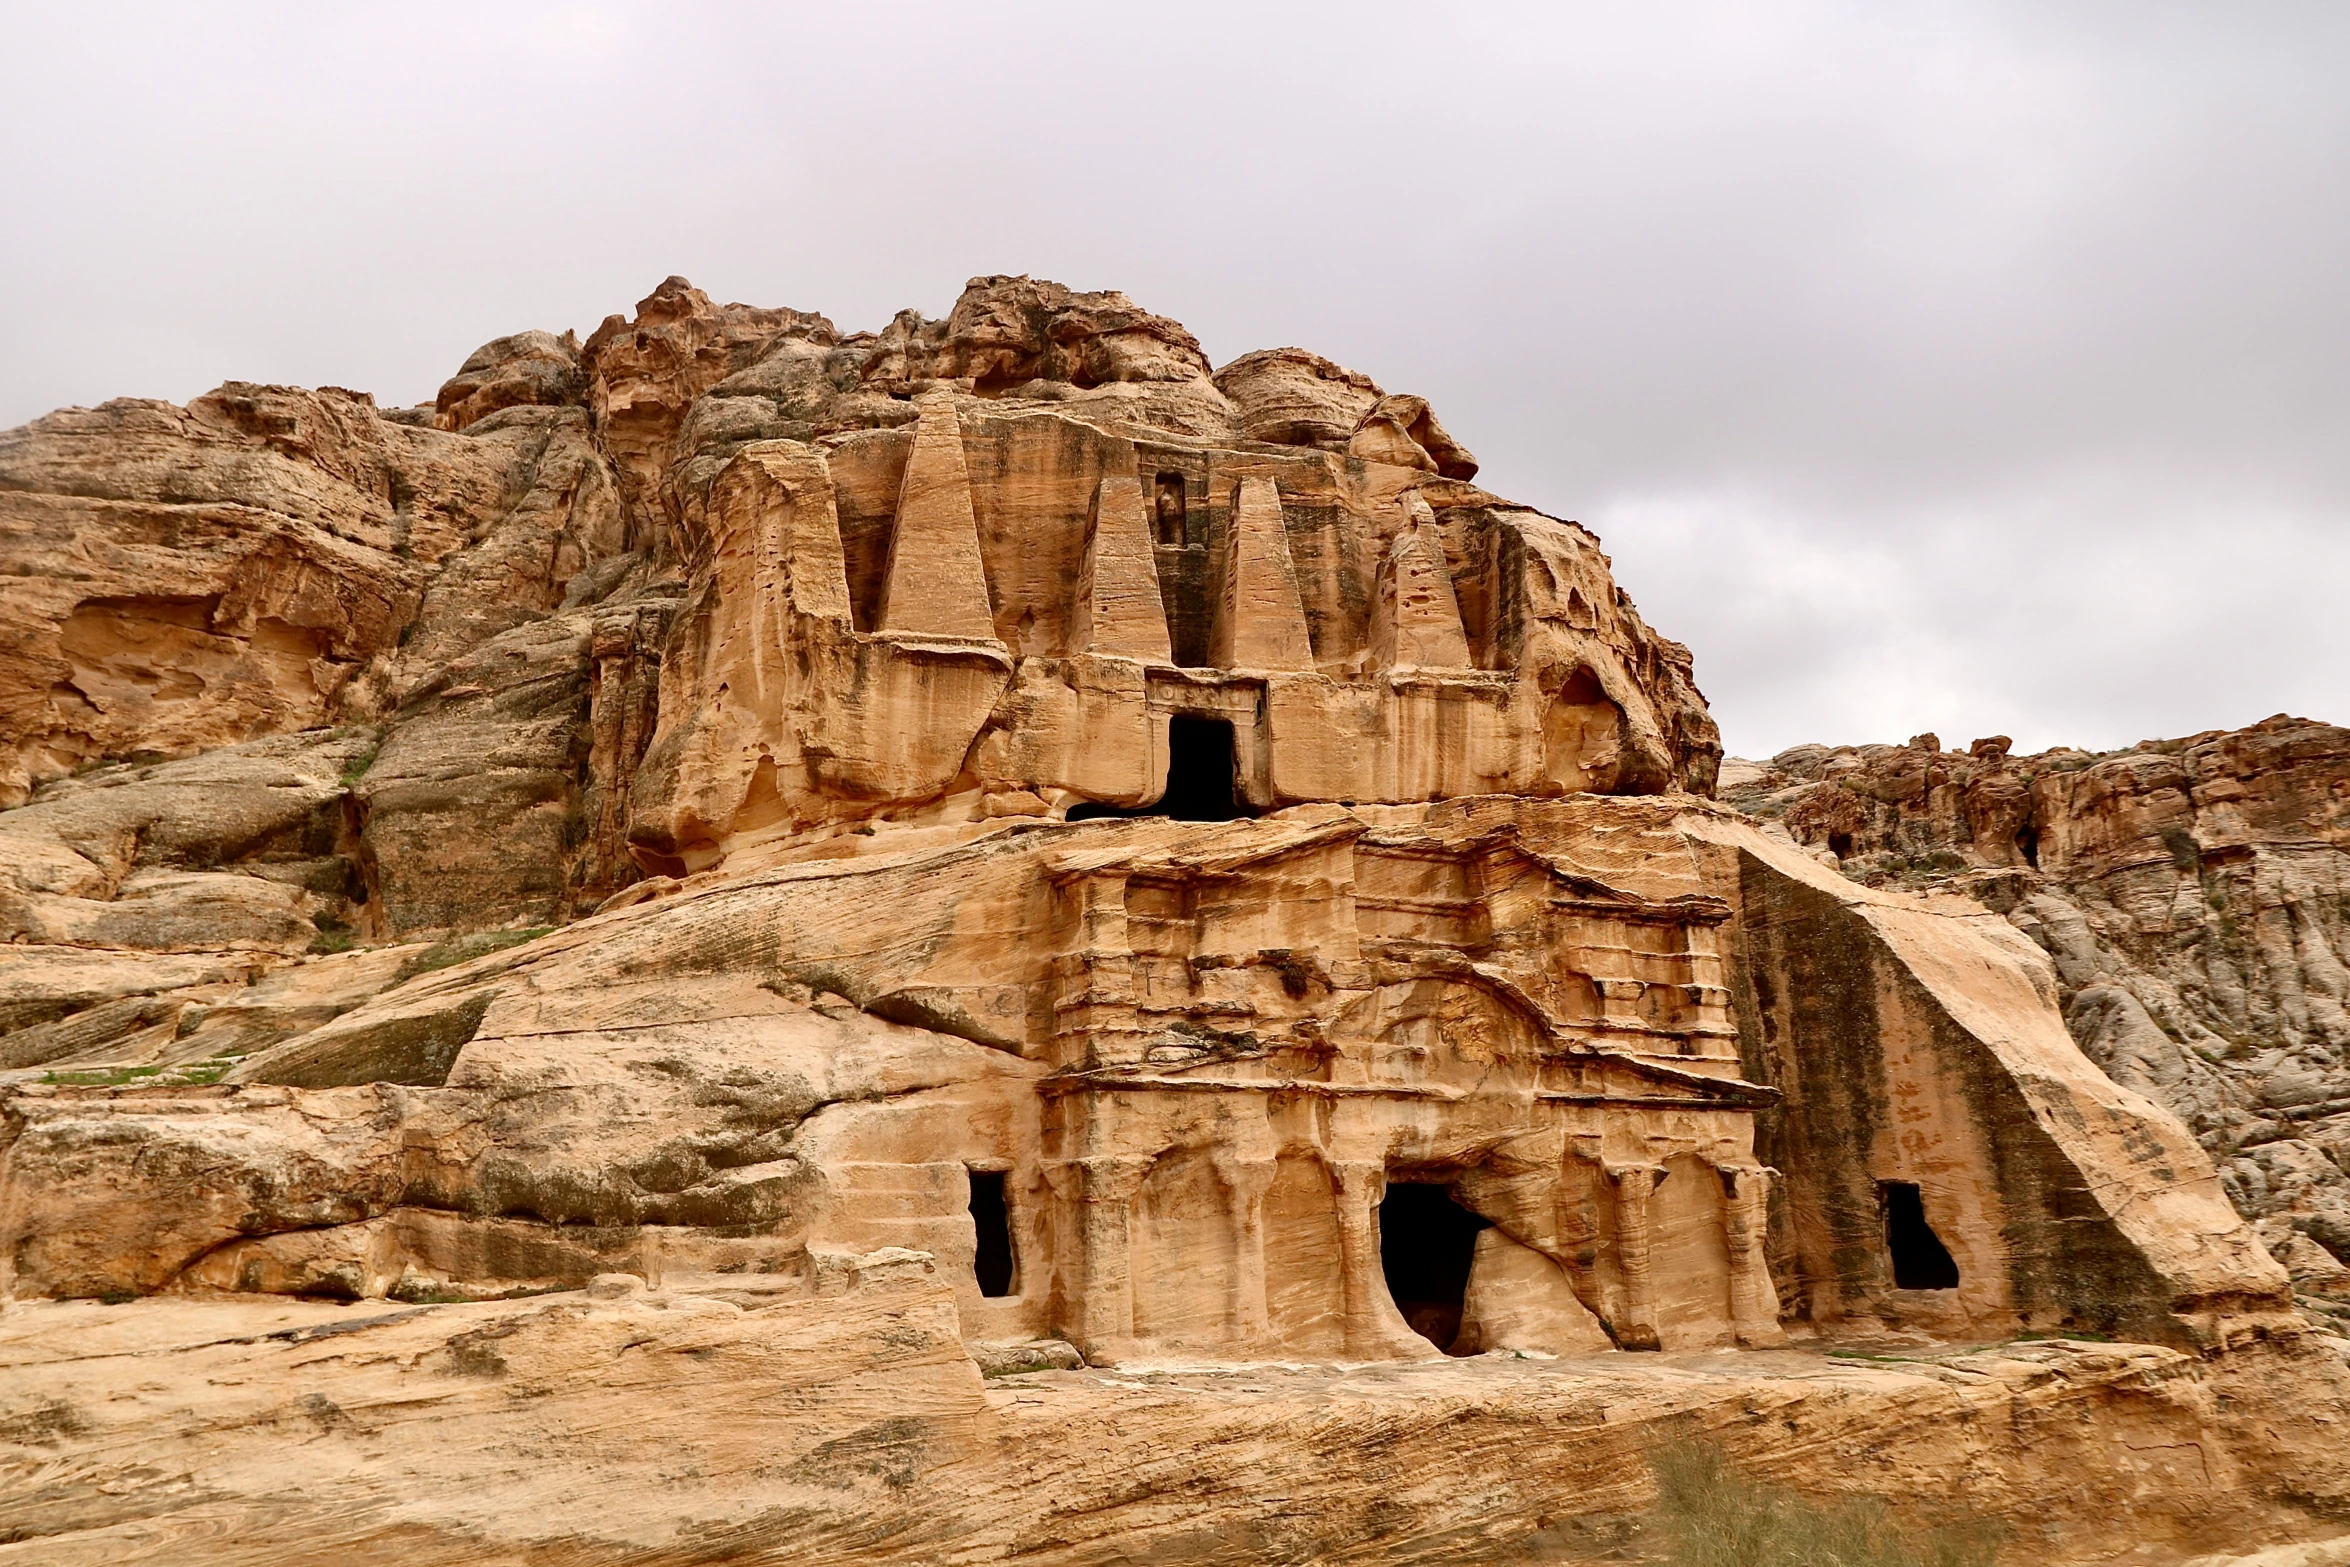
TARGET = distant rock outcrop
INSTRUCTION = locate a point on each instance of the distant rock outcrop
(2194, 896)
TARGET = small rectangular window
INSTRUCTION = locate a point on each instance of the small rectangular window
(991, 1258)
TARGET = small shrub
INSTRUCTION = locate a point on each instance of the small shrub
(333, 936)
(424, 1292)
(2185, 852)
(1710, 1515)
(356, 768)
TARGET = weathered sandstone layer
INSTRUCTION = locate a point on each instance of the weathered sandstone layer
(985, 940)
(661, 1428)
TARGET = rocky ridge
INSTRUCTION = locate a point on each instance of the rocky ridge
(2194, 898)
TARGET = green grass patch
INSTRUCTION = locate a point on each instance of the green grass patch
(101, 1077)
(356, 768)
(333, 936)
(1709, 1515)
(464, 949)
(188, 1074)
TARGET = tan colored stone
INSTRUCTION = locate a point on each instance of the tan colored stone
(1260, 620)
(1403, 431)
(1118, 611)
(1416, 622)
(936, 585)
(839, 1420)
(1293, 398)
(2185, 891)
(524, 370)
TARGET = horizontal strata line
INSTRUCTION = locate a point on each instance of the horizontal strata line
(1213, 1085)
(1210, 1085)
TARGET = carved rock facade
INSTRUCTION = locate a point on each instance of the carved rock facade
(1152, 860)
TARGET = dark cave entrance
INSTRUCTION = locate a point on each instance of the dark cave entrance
(1920, 1260)
(992, 1219)
(1202, 776)
(2027, 844)
(1426, 1242)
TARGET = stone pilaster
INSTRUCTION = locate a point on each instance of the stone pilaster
(1103, 1303)
(1375, 1330)
(1246, 1181)
(1754, 1300)
(1635, 1187)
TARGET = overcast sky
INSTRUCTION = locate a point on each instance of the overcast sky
(1975, 368)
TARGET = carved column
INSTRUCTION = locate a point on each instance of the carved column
(1359, 1186)
(1106, 1184)
(1754, 1301)
(1635, 1185)
(1246, 1181)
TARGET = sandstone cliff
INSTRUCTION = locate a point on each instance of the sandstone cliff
(848, 861)
(2194, 896)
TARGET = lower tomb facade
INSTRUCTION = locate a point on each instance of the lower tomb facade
(1209, 1159)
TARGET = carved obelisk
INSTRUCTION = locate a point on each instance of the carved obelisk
(937, 585)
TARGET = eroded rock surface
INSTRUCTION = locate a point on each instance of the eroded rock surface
(707, 1420)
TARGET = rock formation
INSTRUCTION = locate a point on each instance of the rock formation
(2194, 898)
(849, 861)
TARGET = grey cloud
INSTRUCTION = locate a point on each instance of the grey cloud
(1964, 366)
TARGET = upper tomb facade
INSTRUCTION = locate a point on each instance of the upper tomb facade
(1038, 559)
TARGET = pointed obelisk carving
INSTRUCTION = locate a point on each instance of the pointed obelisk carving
(1119, 611)
(1261, 621)
(1415, 620)
(936, 585)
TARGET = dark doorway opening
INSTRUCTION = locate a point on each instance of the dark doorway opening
(1426, 1242)
(1167, 510)
(1202, 777)
(1202, 771)
(992, 1258)
(1920, 1260)
(2027, 844)
(1840, 845)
